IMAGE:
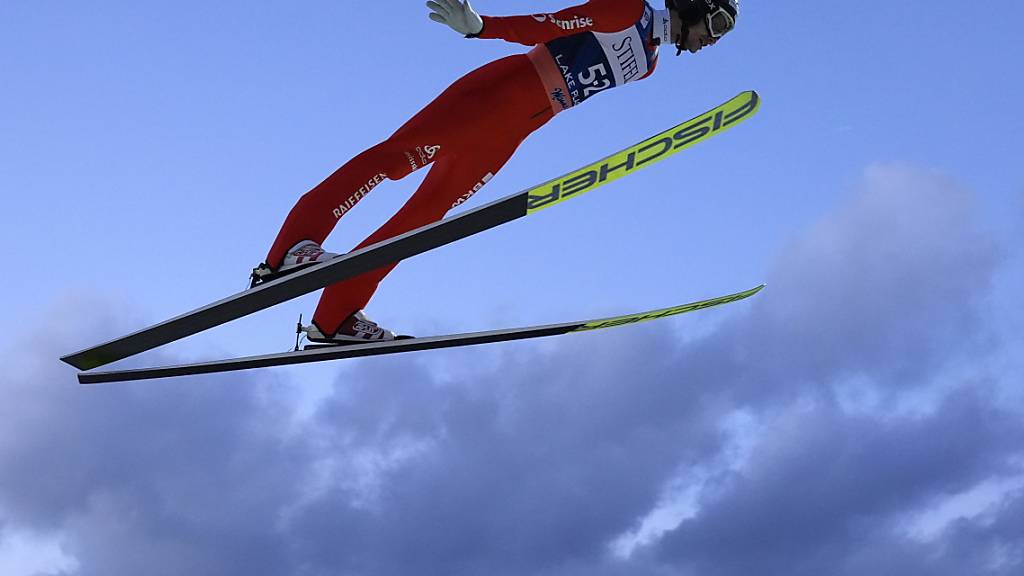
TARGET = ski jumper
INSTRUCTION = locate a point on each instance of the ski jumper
(472, 129)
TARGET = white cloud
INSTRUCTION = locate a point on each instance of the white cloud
(975, 503)
(680, 499)
(23, 553)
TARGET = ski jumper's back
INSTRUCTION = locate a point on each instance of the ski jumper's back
(584, 50)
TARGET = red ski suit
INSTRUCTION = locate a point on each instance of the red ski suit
(474, 127)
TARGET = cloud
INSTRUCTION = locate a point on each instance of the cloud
(802, 435)
(886, 288)
(155, 479)
(542, 464)
(882, 302)
(825, 486)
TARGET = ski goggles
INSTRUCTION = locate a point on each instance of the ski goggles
(719, 22)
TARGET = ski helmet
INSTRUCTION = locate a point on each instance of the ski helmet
(720, 15)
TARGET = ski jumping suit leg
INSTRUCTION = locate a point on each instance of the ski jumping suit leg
(467, 133)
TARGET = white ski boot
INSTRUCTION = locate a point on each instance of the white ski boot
(356, 329)
(302, 255)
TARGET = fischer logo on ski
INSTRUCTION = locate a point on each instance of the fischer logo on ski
(638, 156)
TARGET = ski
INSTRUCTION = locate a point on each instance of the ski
(320, 354)
(426, 238)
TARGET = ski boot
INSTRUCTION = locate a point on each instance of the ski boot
(356, 329)
(302, 255)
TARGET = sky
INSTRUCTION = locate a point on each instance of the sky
(864, 414)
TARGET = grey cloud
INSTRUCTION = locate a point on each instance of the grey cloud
(885, 288)
(827, 484)
(886, 291)
(153, 479)
(526, 471)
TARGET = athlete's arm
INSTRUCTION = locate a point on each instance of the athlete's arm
(593, 16)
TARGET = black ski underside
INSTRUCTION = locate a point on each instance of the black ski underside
(320, 354)
(328, 353)
(303, 282)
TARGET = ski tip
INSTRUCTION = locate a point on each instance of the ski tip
(751, 292)
(755, 98)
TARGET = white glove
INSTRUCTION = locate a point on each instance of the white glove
(460, 16)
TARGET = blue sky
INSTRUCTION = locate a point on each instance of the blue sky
(862, 413)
